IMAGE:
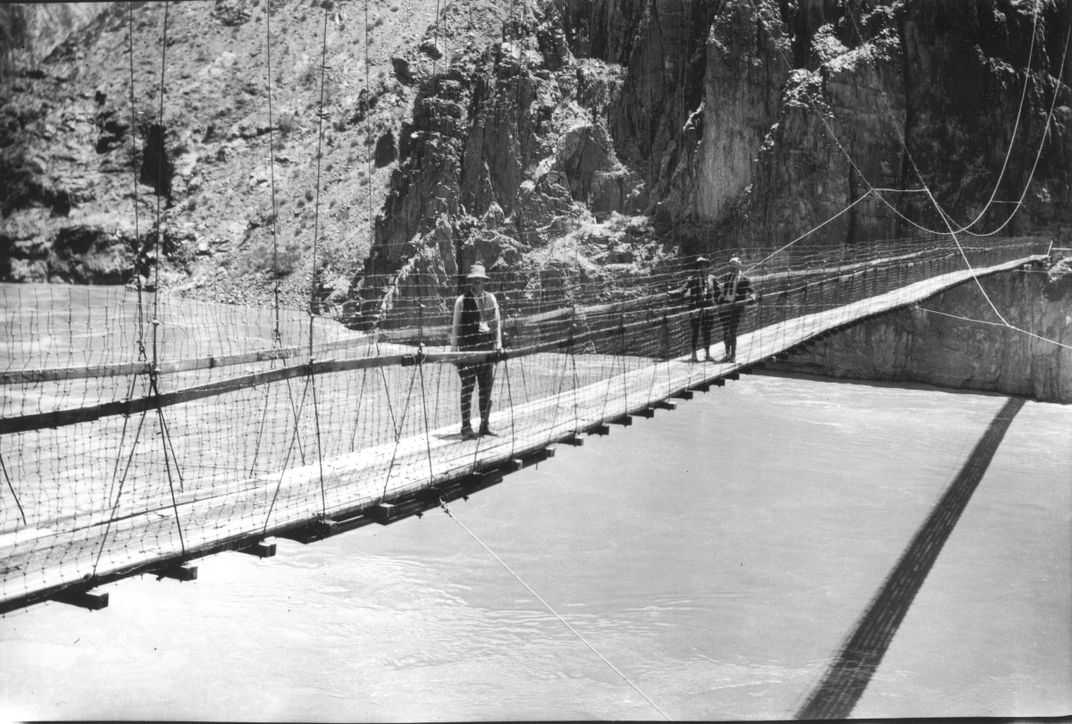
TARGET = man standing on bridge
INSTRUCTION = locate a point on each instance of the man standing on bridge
(476, 327)
(735, 291)
(698, 293)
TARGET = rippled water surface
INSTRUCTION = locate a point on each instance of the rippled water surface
(717, 556)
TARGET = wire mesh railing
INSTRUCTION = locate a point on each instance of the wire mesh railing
(113, 463)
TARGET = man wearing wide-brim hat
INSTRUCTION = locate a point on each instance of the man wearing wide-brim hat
(476, 327)
(734, 291)
(698, 294)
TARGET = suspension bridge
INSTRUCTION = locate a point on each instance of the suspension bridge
(186, 430)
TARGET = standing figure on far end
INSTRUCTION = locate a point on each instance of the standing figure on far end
(476, 327)
(735, 291)
(699, 292)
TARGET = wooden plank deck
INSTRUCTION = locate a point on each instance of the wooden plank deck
(77, 552)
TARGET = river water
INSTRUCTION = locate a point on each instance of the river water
(717, 556)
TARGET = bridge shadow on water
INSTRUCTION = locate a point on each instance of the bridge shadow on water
(850, 672)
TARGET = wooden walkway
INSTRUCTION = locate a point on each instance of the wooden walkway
(388, 481)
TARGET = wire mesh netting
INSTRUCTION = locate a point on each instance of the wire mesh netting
(141, 431)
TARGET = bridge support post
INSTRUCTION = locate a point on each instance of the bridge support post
(178, 572)
(90, 600)
(260, 549)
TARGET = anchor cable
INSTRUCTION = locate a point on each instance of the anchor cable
(553, 612)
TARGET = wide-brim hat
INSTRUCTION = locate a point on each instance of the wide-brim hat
(476, 271)
(735, 260)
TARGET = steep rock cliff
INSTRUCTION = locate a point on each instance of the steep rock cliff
(496, 129)
(957, 340)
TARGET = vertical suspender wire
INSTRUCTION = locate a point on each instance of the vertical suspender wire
(510, 400)
(276, 335)
(158, 250)
(679, 92)
(312, 271)
(573, 361)
(371, 229)
(141, 312)
(11, 487)
(286, 463)
(119, 493)
(420, 367)
(398, 434)
(427, 425)
(137, 242)
(368, 193)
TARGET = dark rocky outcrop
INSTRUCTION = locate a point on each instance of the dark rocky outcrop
(87, 255)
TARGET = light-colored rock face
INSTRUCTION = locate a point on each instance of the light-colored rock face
(936, 343)
(744, 77)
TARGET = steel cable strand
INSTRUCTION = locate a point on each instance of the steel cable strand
(427, 427)
(316, 239)
(993, 324)
(573, 367)
(608, 376)
(118, 496)
(360, 398)
(171, 483)
(966, 228)
(510, 401)
(1038, 155)
(837, 141)
(554, 613)
(11, 487)
(625, 363)
(165, 438)
(142, 355)
(286, 463)
(561, 375)
(967, 261)
(152, 374)
(398, 435)
(277, 338)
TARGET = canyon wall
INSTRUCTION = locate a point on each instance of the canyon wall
(958, 340)
(734, 125)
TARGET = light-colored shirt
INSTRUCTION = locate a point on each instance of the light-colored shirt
(488, 308)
